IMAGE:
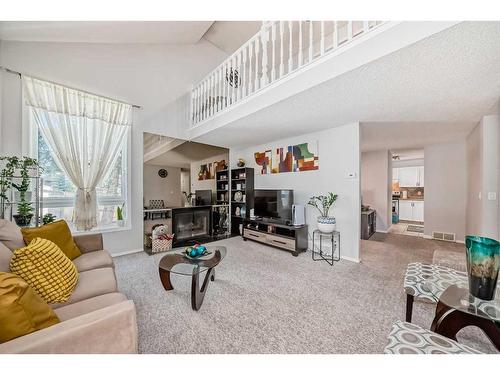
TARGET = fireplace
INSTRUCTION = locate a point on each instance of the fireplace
(190, 225)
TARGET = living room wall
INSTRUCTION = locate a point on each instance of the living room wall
(205, 184)
(339, 165)
(155, 77)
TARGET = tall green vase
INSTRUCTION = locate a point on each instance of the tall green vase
(483, 263)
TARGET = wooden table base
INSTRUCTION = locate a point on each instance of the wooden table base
(197, 294)
(448, 321)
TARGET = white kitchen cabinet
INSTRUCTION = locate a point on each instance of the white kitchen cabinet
(421, 176)
(418, 211)
(395, 174)
(405, 210)
(411, 176)
(411, 210)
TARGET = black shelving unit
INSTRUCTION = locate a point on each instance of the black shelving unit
(242, 180)
(222, 182)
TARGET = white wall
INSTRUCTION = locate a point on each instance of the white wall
(338, 156)
(205, 184)
(153, 76)
(445, 189)
(483, 169)
(168, 188)
(376, 180)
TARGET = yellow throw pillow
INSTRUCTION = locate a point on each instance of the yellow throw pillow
(46, 269)
(57, 232)
(22, 311)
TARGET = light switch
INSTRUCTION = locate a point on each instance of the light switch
(492, 196)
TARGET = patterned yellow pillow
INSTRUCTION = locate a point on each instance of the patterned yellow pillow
(46, 269)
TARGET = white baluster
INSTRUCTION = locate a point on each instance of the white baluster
(290, 49)
(237, 77)
(244, 75)
(197, 114)
(349, 30)
(233, 71)
(366, 26)
(322, 42)
(335, 34)
(226, 84)
(273, 66)
(264, 79)
(257, 48)
(210, 96)
(282, 47)
(202, 97)
(300, 58)
(311, 47)
(250, 56)
(219, 87)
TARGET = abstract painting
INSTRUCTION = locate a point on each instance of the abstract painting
(207, 171)
(295, 158)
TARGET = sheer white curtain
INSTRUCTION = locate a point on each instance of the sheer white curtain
(85, 132)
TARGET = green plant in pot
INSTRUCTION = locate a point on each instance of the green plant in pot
(48, 218)
(25, 206)
(119, 215)
(323, 203)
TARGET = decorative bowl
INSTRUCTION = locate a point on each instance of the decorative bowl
(196, 251)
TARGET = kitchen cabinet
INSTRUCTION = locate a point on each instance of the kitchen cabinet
(411, 210)
(395, 174)
(410, 176)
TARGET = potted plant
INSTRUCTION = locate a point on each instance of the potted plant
(6, 175)
(48, 218)
(25, 206)
(119, 215)
(323, 203)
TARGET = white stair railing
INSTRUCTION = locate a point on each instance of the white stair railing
(277, 50)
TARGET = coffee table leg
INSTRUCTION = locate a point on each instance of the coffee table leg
(165, 279)
(409, 307)
(448, 322)
(213, 274)
(197, 294)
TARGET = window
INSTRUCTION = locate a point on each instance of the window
(59, 191)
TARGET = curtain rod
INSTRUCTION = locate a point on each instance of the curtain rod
(73, 88)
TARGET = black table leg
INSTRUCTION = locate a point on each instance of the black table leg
(409, 307)
(197, 294)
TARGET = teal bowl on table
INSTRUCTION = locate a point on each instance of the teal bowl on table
(483, 263)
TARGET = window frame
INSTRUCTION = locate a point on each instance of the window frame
(29, 132)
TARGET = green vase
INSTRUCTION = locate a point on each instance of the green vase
(483, 262)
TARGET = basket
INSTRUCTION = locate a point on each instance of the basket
(161, 245)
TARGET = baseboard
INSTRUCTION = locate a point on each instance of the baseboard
(127, 252)
(381, 231)
(350, 259)
(427, 237)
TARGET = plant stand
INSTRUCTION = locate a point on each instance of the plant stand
(334, 237)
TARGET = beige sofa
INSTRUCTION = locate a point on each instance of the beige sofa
(96, 318)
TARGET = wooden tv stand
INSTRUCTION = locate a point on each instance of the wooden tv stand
(285, 237)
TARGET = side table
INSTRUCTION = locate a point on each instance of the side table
(334, 237)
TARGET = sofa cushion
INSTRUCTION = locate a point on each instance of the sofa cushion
(22, 310)
(92, 283)
(10, 235)
(57, 232)
(89, 305)
(93, 260)
(45, 267)
(5, 255)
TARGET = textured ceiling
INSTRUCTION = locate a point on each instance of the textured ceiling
(171, 32)
(231, 35)
(452, 77)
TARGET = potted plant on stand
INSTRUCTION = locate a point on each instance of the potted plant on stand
(323, 203)
(119, 215)
(25, 206)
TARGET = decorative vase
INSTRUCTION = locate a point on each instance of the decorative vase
(483, 263)
(326, 224)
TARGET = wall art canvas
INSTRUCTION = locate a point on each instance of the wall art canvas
(207, 171)
(294, 158)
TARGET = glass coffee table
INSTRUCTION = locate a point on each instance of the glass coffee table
(177, 262)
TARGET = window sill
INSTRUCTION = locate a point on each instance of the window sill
(103, 230)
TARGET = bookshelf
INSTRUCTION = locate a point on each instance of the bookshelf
(242, 196)
(222, 187)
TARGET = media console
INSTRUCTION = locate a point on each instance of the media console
(285, 237)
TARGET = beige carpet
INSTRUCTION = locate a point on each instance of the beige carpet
(266, 301)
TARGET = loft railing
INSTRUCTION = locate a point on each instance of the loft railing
(277, 50)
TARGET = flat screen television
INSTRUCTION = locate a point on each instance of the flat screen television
(273, 204)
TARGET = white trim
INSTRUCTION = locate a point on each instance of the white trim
(381, 231)
(127, 252)
(460, 241)
(355, 260)
(101, 230)
(426, 236)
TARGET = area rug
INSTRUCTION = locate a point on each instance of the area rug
(264, 300)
